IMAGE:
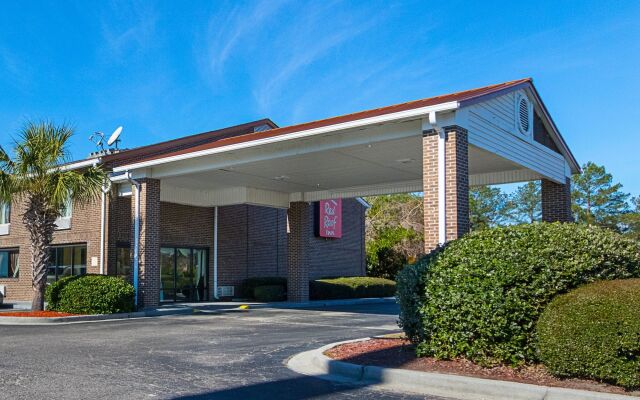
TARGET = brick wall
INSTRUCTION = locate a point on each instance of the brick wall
(556, 201)
(253, 241)
(344, 256)
(85, 229)
(457, 184)
(188, 226)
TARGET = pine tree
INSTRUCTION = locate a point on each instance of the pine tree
(526, 203)
(596, 198)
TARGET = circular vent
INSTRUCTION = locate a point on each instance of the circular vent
(523, 111)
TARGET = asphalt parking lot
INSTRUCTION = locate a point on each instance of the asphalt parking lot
(204, 356)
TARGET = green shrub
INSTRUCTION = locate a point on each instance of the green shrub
(594, 332)
(269, 293)
(351, 288)
(249, 285)
(481, 297)
(91, 294)
(386, 263)
(410, 296)
(52, 291)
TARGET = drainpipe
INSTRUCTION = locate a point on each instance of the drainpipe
(136, 235)
(215, 252)
(442, 183)
(103, 211)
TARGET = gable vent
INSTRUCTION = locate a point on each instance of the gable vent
(523, 114)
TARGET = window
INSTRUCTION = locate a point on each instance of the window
(67, 261)
(9, 264)
(183, 274)
(67, 209)
(123, 260)
(5, 213)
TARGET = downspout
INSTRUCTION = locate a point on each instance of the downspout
(442, 179)
(103, 216)
(215, 252)
(136, 235)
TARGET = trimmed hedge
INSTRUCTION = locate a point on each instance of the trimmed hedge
(269, 293)
(249, 285)
(481, 296)
(351, 288)
(90, 294)
(594, 332)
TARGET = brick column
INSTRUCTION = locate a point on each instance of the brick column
(149, 254)
(456, 187)
(300, 225)
(556, 201)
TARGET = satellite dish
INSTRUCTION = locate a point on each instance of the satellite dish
(114, 138)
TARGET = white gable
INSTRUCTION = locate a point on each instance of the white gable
(503, 125)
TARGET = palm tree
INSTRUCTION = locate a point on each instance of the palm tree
(35, 176)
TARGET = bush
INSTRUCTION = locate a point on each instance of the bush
(90, 294)
(386, 263)
(481, 297)
(249, 285)
(594, 332)
(410, 295)
(351, 288)
(269, 293)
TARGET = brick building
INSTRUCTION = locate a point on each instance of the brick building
(192, 217)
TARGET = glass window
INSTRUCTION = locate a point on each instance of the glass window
(67, 209)
(123, 261)
(5, 213)
(67, 261)
(183, 274)
(9, 264)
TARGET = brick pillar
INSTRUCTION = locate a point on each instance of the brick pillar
(149, 254)
(556, 201)
(456, 187)
(300, 214)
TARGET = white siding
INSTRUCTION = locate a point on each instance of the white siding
(492, 126)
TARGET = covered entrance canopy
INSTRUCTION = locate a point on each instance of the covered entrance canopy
(439, 146)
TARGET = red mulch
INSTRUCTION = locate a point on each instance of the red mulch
(400, 353)
(35, 314)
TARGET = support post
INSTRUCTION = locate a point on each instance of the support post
(147, 198)
(556, 201)
(445, 182)
(299, 215)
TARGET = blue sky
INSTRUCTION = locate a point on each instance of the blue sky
(167, 69)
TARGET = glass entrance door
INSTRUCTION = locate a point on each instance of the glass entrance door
(183, 274)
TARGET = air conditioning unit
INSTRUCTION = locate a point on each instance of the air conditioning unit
(226, 291)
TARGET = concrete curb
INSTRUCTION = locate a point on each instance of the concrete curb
(328, 303)
(91, 318)
(315, 363)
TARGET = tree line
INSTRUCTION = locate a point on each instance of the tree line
(394, 224)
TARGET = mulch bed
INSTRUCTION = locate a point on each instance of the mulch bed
(400, 353)
(33, 314)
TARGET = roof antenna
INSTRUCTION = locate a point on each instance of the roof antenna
(98, 139)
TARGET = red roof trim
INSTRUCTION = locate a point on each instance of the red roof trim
(464, 96)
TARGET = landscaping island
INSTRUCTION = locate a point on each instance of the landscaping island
(36, 314)
(398, 352)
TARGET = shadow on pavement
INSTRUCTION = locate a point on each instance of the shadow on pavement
(285, 389)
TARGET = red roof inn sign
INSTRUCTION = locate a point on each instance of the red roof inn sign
(329, 218)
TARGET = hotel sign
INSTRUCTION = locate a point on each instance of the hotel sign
(329, 218)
